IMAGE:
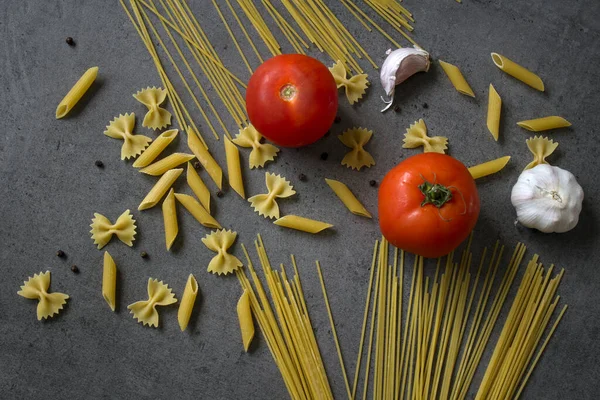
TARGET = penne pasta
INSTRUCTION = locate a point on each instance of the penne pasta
(187, 302)
(489, 167)
(234, 168)
(244, 313)
(302, 224)
(170, 219)
(157, 147)
(197, 211)
(160, 188)
(544, 124)
(166, 164)
(202, 154)
(76, 92)
(198, 187)
(517, 71)
(493, 115)
(109, 281)
(456, 77)
(347, 197)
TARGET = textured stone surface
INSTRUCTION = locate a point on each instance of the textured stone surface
(51, 188)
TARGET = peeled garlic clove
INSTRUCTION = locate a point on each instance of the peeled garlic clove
(399, 65)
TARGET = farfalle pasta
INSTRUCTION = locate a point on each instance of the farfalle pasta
(355, 86)
(416, 136)
(103, 230)
(156, 117)
(540, 147)
(36, 288)
(121, 128)
(159, 294)
(261, 152)
(219, 242)
(265, 204)
(356, 139)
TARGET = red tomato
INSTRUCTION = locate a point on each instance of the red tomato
(428, 204)
(292, 100)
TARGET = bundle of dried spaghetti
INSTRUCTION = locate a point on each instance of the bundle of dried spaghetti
(435, 350)
(510, 366)
(324, 29)
(287, 329)
(176, 16)
(391, 11)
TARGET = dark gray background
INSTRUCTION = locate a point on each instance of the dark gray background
(51, 188)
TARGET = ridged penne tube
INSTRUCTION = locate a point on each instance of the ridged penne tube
(347, 197)
(544, 124)
(169, 210)
(197, 211)
(187, 302)
(244, 313)
(517, 71)
(166, 164)
(234, 168)
(456, 77)
(160, 188)
(489, 167)
(76, 92)
(302, 224)
(157, 147)
(494, 110)
(202, 154)
(109, 281)
(198, 187)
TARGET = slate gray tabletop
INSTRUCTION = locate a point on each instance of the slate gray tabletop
(51, 188)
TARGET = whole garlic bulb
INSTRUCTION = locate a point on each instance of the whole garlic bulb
(547, 198)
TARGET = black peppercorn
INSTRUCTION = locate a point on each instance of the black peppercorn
(70, 41)
(60, 253)
(373, 183)
(219, 194)
(324, 156)
(99, 164)
(143, 254)
(302, 177)
(425, 105)
(74, 269)
(197, 164)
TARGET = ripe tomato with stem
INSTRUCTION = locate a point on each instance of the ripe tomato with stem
(428, 204)
(292, 100)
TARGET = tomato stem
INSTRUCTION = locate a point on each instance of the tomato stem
(288, 92)
(435, 194)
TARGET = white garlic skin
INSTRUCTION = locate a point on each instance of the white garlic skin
(547, 198)
(400, 64)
